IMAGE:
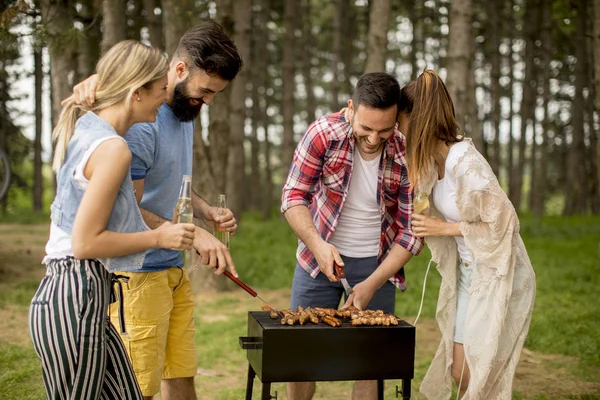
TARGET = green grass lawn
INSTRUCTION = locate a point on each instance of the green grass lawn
(562, 360)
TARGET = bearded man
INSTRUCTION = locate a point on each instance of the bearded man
(157, 300)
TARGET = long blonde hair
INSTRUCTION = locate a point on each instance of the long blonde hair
(126, 67)
(430, 111)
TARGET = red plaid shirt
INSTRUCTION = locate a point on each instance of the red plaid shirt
(319, 178)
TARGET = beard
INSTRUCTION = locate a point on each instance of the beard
(183, 110)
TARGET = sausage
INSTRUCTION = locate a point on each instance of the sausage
(331, 321)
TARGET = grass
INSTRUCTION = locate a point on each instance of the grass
(566, 318)
(20, 375)
(563, 347)
(264, 252)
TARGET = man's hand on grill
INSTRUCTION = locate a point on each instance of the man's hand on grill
(326, 254)
(362, 295)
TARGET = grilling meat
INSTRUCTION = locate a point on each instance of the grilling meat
(272, 312)
(331, 321)
(334, 317)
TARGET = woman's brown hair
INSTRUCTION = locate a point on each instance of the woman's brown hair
(126, 67)
(431, 119)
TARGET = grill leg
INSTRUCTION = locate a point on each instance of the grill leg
(380, 389)
(406, 389)
(266, 392)
(250, 382)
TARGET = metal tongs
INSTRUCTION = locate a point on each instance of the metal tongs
(338, 270)
(249, 290)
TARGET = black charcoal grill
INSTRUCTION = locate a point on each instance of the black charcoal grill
(299, 353)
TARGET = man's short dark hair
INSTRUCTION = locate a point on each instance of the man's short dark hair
(208, 47)
(376, 90)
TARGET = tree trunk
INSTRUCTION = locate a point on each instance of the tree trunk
(459, 56)
(472, 109)
(288, 86)
(57, 18)
(527, 110)
(495, 16)
(379, 17)
(539, 195)
(38, 179)
(154, 24)
(593, 203)
(267, 208)
(236, 173)
(253, 183)
(533, 162)
(89, 39)
(575, 202)
(591, 155)
(135, 20)
(114, 23)
(596, 65)
(177, 20)
(416, 44)
(259, 93)
(202, 174)
(204, 184)
(336, 55)
(348, 50)
(220, 112)
(307, 63)
(210, 163)
(511, 141)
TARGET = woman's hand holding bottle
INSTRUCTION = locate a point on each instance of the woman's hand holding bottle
(175, 236)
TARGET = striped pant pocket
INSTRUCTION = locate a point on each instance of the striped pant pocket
(82, 354)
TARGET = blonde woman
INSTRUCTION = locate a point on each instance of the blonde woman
(97, 228)
(488, 284)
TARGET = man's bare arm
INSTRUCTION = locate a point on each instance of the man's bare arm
(395, 260)
(301, 222)
(200, 206)
(152, 220)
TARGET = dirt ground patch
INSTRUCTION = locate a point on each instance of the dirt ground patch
(14, 326)
(21, 248)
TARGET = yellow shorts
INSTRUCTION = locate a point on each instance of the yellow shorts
(159, 319)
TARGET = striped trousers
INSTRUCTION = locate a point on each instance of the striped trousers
(82, 354)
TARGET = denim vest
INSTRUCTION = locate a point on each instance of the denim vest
(125, 216)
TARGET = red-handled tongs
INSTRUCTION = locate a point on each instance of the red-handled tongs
(338, 270)
(248, 289)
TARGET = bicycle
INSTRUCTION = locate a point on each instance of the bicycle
(4, 174)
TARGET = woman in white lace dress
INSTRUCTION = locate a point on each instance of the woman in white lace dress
(488, 284)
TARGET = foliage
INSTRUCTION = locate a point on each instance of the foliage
(264, 251)
(19, 197)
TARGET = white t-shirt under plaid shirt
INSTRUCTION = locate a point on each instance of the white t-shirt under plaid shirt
(319, 178)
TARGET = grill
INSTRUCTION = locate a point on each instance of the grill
(299, 353)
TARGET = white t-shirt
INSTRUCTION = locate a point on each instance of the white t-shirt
(59, 243)
(444, 195)
(359, 225)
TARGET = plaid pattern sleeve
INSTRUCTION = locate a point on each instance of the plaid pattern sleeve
(306, 168)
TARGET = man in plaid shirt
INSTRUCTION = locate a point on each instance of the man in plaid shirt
(347, 198)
